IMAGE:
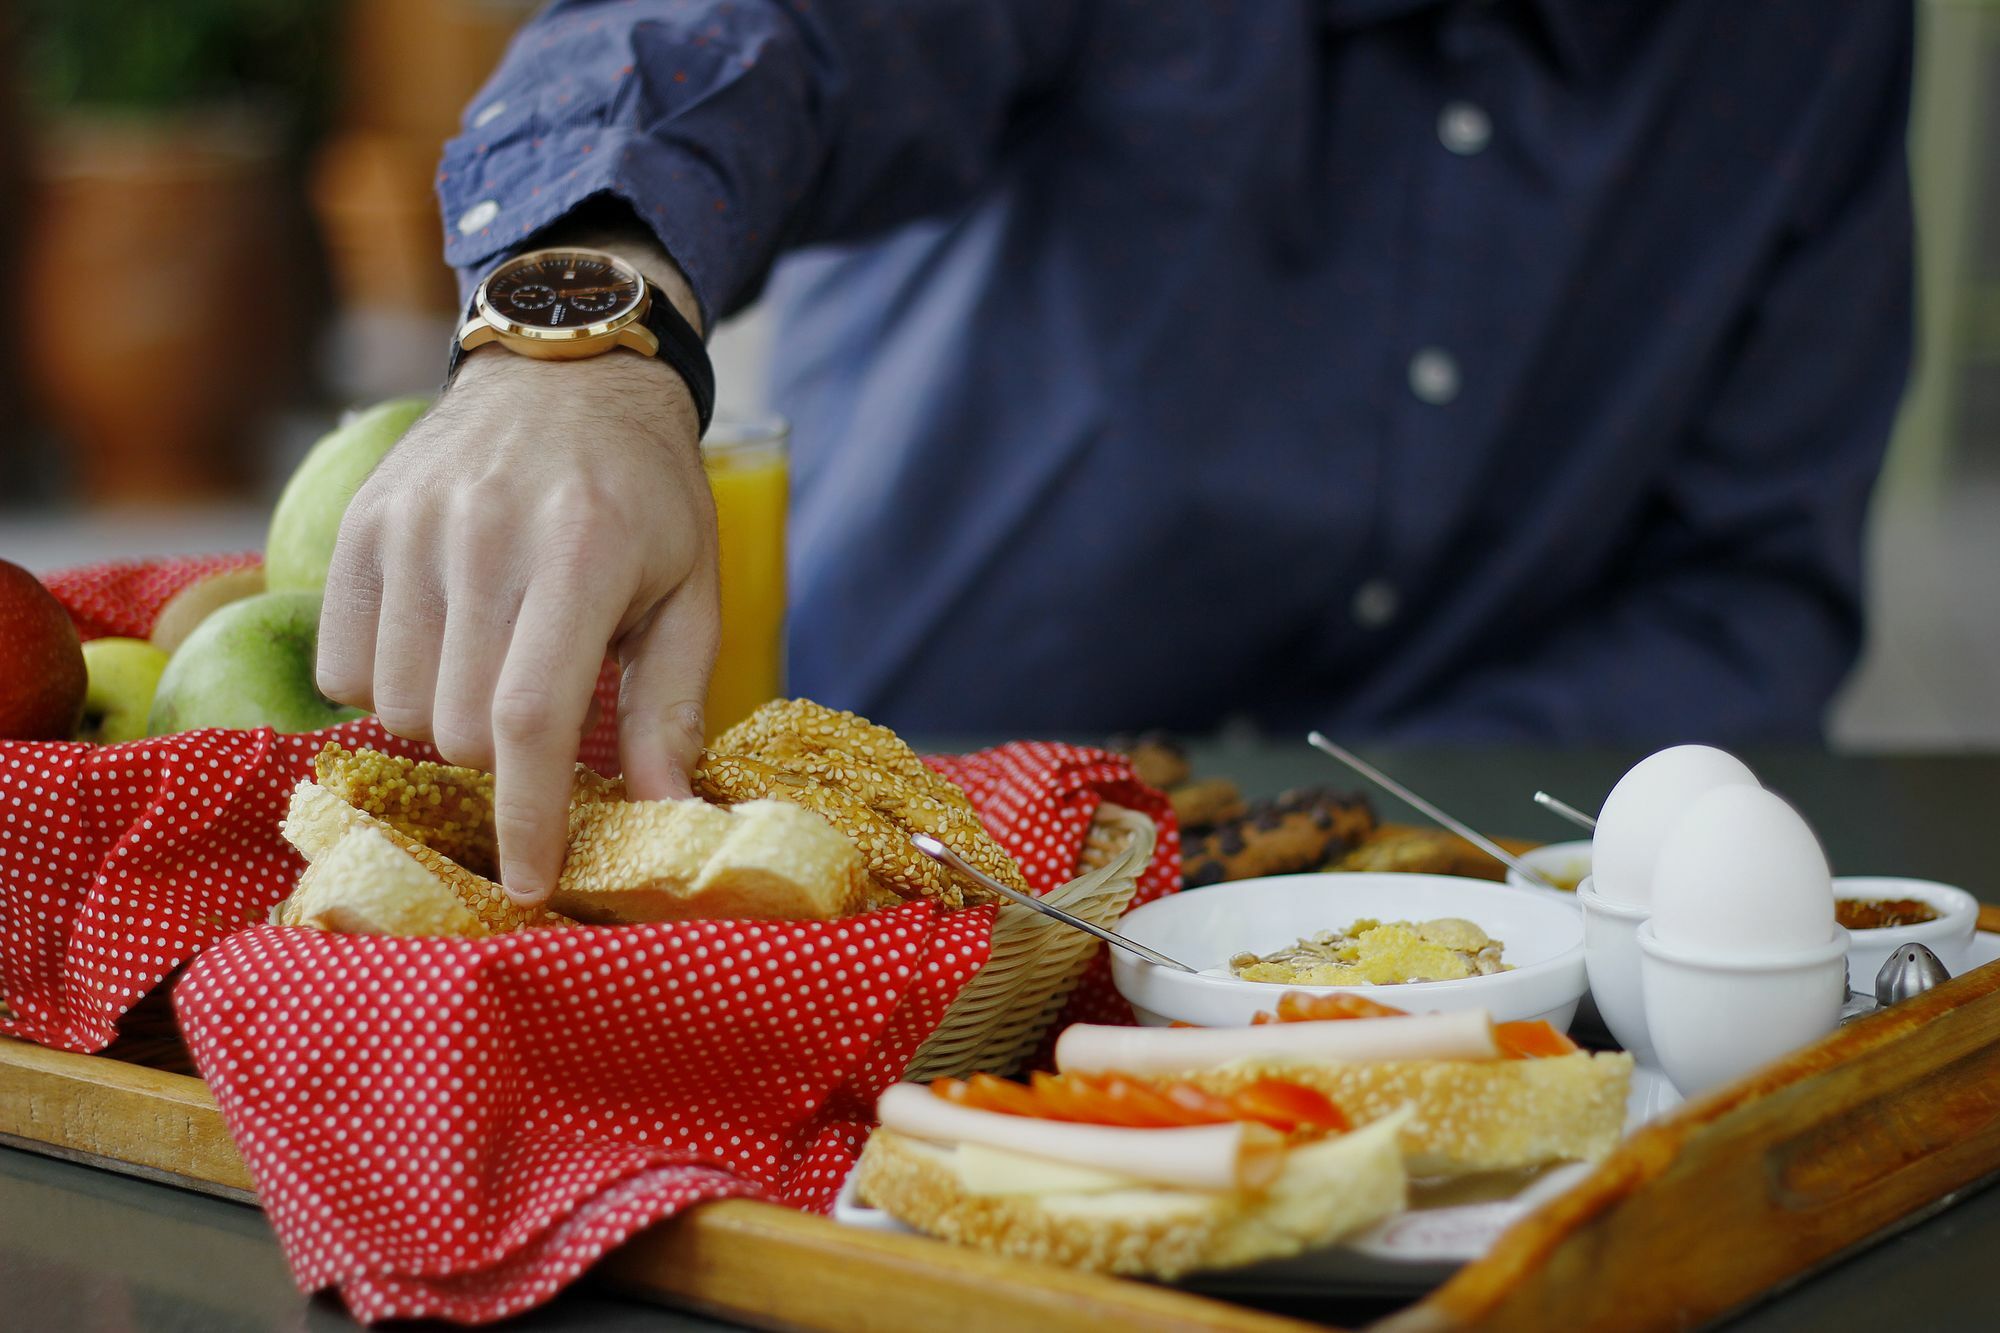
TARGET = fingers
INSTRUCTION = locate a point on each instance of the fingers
(344, 668)
(484, 608)
(539, 703)
(667, 661)
(409, 633)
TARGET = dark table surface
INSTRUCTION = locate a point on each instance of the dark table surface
(81, 1248)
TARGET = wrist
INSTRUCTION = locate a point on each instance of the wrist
(624, 383)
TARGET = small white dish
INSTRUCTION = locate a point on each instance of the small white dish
(1611, 959)
(1949, 937)
(1714, 1019)
(1564, 864)
(1541, 932)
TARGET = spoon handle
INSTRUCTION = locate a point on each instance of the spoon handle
(1566, 810)
(1381, 779)
(951, 861)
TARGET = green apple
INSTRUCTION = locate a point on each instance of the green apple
(249, 664)
(124, 674)
(200, 599)
(303, 526)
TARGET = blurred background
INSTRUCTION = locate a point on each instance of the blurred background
(246, 185)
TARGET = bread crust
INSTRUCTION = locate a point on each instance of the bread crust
(1329, 1190)
(1469, 1115)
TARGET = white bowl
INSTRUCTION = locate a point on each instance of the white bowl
(1713, 1020)
(1559, 862)
(1611, 960)
(1949, 937)
(1204, 928)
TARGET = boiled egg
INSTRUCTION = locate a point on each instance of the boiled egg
(1741, 874)
(1644, 805)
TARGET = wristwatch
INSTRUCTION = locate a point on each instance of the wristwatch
(563, 305)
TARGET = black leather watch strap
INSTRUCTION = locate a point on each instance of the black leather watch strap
(680, 347)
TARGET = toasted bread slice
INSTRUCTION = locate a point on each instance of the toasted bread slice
(676, 860)
(1469, 1116)
(627, 861)
(318, 821)
(1328, 1190)
(444, 807)
(367, 885)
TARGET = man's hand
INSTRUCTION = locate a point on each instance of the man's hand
(541, 515)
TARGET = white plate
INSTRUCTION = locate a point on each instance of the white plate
(1414, 1250)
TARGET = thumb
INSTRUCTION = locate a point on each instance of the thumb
(667, 661)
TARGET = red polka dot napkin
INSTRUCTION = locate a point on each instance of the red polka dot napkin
(124, 597)
(118, 863)
(457, 1128)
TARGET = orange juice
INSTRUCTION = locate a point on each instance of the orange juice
(748, 474)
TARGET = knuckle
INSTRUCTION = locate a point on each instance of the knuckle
(409, 510)
(684, 722)
(523, 713)
(402, 713)
(484, 508)
(462, 742)
(341, 684)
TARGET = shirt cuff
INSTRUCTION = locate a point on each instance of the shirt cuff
(496, 193)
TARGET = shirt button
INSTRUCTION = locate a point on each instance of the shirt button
(479, 215)
(1375, 604)
(489, 113)
(1434, 376)
(1464, 128)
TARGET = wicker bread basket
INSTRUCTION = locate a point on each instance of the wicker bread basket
(998, 1020)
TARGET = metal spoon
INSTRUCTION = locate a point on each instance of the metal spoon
(1566, 810)
(951, 861)
(1383, 780)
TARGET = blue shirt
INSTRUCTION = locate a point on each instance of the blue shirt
(1422, 371)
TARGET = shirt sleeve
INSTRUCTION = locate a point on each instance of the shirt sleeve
(735, 128)
(1737, 611)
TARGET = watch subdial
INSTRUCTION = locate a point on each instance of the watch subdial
(531, 296)
(594, 303)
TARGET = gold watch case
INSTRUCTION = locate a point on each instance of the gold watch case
(544, 343)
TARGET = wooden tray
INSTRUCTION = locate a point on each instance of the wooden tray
(1694, 1214)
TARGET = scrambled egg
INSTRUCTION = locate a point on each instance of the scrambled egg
(1375, 953)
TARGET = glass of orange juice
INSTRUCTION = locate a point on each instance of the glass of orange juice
(746, 458)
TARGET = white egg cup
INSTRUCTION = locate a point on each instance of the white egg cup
(1714, 1019)
(1611, 959)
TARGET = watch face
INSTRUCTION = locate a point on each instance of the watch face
(560, 290)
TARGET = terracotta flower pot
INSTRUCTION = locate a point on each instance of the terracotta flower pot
(155, 295)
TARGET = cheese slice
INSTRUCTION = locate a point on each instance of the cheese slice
(997, 1171)
(1090, 1048)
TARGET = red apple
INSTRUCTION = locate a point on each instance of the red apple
(42, 676)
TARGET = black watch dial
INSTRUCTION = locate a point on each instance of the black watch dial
(558, 289)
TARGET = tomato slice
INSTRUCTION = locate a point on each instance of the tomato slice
(1528, 1041)
(1202, 1108)
(1068, 1097)
(1130, 1103)
(1298, 1007)
(1288, 1106)
(1144, 1107)
(984, 1092)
